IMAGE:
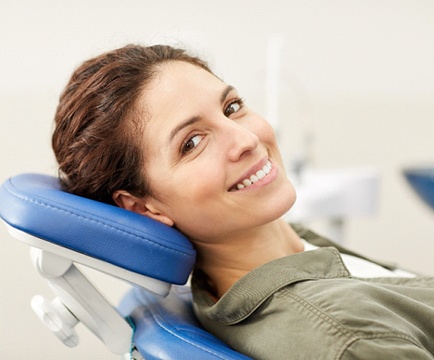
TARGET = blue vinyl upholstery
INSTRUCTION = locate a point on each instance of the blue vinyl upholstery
(166, 329)
(35, 204)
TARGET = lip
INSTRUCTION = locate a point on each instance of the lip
(252, 170)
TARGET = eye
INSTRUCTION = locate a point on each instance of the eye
(191, 143)
(233, 107)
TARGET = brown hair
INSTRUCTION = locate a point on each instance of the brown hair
(98, 131)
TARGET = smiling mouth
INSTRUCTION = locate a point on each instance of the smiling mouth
(259, 175)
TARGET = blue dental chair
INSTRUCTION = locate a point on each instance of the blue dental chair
(154, 319)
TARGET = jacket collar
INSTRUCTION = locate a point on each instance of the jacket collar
(248, 293)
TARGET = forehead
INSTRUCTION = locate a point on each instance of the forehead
(178, 90)
(178, 79)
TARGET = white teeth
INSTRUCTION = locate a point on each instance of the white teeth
(255, 177)
(267, 167)
(260, 174)
(247, 182)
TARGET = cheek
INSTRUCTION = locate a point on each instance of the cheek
(190, 186)
(265, 132)
(268, 130)
(199, 183)
(194, 201)
(260, 127)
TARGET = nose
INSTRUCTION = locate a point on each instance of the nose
(241, 140)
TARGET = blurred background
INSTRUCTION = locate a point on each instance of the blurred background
(356, 90)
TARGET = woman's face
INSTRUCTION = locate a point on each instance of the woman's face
(207, 154)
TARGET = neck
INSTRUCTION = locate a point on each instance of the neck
(226, 261)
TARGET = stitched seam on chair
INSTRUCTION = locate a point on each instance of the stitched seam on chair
(191, 343)
(156, 314)
(22, 198)
(186, 340)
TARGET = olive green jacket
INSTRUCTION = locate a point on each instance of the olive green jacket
(308, 306)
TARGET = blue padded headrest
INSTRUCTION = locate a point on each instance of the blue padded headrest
(35, 204)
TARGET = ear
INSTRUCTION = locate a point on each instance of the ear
(143, 206)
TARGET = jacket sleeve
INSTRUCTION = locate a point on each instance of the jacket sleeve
(386, 348)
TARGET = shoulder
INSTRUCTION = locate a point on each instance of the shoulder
(317, 318)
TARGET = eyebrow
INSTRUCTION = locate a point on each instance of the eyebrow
(225, 93)
(195, 119)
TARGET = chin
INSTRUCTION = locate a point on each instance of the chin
(291, 196)
(283, 202)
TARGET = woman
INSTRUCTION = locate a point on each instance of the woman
(153, 130)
